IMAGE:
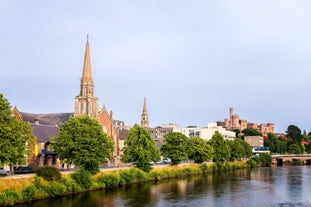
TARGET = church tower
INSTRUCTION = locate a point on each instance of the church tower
(86, 103)
(144, 116)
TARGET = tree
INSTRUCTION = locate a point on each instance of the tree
(221, 147)
(295, 149)
(14, 135)
(82, 141)
(239, 149)
(199, 150)
(175, 147)
(140, 148)
(294, 133)
(251, 132)
(237, 132)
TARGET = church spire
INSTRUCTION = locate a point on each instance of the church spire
(87, 71)
(86, 103)
(144, 115)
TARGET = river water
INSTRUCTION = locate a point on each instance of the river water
(285, 186)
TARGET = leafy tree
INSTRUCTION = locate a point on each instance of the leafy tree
(239, 149)
(237, 132)
(199, 150)
(294, 133)
(221, 147)
(14, 135)
(140, 148)
(265, 159)
(175, 147)
(82, 141)
(295, 149)
(251, 132)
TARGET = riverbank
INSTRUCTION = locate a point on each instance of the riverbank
(34, 188)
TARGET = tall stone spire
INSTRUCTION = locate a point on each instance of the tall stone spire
(86, 103)
(144, 116)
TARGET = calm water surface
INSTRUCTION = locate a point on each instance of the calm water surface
(278, 186)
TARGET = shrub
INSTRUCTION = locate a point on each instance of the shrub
(186, 171)
(48, 173)
(252, 163)
(29, 192)
(55, 189)
(83, 178)
(128, 176)
(265, 159)
(71, 185)
(204, 168)
(9, 197)
(109, 180)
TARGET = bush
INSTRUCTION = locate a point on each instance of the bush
(265, 159)
(48, 173)
(83, 178)
(109, 180)
(128, 176)
(55, 189)
(252, 163)
(204, 168)
(9, 197)
(71, 185)
(29, 192)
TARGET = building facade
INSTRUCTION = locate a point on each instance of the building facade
(234, 122)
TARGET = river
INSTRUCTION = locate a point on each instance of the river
(285, 186)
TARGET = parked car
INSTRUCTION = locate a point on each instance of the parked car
(4, 171)
(23, 170)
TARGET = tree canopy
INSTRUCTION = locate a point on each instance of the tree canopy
(14, 135)
(239, 149)
(175, 147)
(221, 147)
(82, 141)
(199, 150)
(251, 132)
(294, 133)
(140, 148)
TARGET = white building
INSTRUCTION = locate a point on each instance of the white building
(205, 132)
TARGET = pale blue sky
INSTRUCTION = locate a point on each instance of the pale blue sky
(191, 59)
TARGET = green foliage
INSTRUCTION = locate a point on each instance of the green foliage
(297, 162)
(83, 178)
(295, 149)
(9, 197)
(133, 176)
(14, 135)
(83, 142)
(276, 144)
(55, 188)
(204, 168)
(239, 149)
(175, 147)
(71, 185)
(253, 162)
(140, 149)
(265, 159)
(251, 132)
(199, 150)
(294, 133)
(30, 192)
(109, 180)
(48, 173)
(221, 147)
(237, 132)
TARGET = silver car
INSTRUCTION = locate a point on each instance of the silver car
(4, 171)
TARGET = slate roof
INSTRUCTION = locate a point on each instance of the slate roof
(44, 133)
(46, 119)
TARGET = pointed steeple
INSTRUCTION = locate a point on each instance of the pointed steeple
(86, 102)
(87, 71)
(144, 115)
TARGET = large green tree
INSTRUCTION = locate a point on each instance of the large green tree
(14, 135)
(221, 147)
(239, 149)
(140, 148)
(175, 147)
(83, 142)
(251, 132)
(294, 133)
(199, 150)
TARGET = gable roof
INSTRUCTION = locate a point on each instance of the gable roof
(46, 119)
(44, 133)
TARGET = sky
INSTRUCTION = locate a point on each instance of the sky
(192, 60)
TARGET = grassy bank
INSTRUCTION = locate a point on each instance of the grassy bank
(28, 189)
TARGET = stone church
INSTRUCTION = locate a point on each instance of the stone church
(45, 126)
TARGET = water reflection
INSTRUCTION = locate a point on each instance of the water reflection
(278, 186)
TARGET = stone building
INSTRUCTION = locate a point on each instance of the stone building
(234, 122)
